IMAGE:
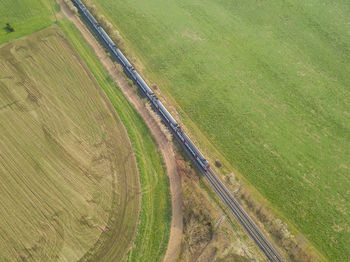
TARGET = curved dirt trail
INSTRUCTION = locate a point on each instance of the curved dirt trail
(165, 146)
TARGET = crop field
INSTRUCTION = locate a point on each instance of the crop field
(267, 82)
(26, 16)
(155, 216)
(69, 179)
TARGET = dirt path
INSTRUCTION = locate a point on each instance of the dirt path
(164, 145)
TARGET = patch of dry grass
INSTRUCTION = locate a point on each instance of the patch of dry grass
(159, 122)
(69, 181)
(209, 233)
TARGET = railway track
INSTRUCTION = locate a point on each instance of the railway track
(243, 218)
(237, 210)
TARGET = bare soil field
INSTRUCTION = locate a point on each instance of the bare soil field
(69, 184)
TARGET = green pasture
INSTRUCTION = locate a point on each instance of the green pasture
(268, 83)
(26, 17)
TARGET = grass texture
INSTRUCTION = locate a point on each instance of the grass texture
(26, 17)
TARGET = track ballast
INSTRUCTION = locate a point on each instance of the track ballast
(243, 218)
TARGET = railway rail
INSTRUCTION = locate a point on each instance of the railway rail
(242, 217)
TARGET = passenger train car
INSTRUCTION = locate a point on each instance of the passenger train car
(137, 79)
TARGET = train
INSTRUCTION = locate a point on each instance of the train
(131, 72)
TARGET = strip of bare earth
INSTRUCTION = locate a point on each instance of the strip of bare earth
(164, 145)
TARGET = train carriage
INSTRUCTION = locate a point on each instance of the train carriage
(134, 75)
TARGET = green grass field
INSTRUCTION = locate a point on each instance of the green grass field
(26, 16)
(268, 83)
(69, 181)
(155, 217)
